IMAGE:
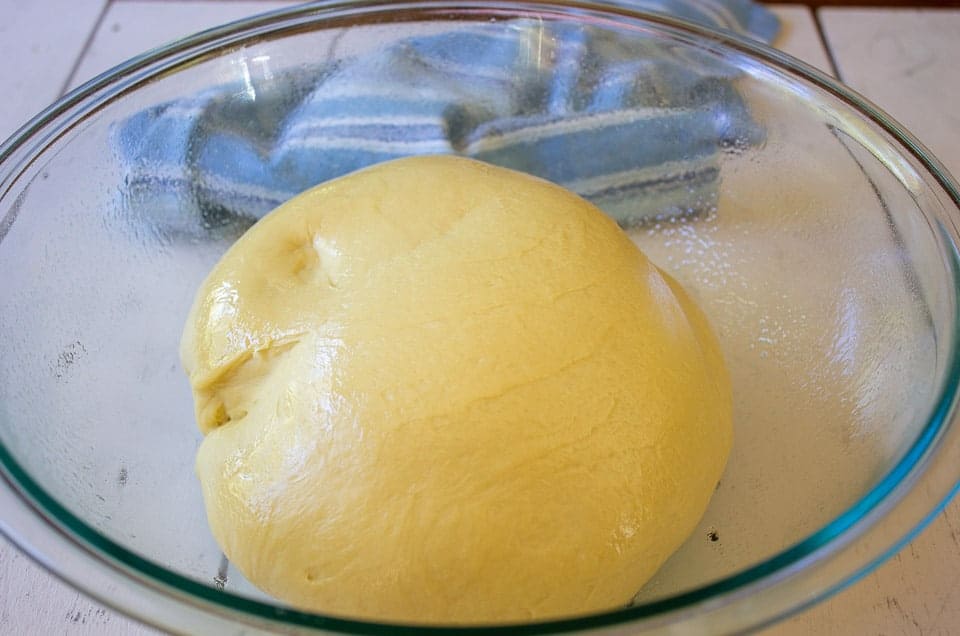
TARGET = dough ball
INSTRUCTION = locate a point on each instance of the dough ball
(437, 391)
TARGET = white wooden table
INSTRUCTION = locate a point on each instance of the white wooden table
(906, 61)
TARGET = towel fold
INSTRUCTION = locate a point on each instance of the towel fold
(632, 123)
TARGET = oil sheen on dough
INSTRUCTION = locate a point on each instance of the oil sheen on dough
(436, 391)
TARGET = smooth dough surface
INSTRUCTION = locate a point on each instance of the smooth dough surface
(436, 391)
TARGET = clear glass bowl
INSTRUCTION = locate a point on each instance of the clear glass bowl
(818, 235)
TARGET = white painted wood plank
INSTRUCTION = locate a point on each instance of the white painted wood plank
(906, 62)
(130, 28)
(42, 51)
(40, 54)
(916, 592)
(32, 601)
(799, 35)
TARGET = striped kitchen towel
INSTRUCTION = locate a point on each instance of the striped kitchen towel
(632, 123)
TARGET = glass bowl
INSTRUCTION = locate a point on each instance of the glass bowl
(817, 234)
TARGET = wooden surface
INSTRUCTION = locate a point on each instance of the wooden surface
(906, 61)
(35, 42)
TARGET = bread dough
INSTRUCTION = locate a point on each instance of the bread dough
(437, 391)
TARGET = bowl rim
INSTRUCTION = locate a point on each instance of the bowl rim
(815, 548)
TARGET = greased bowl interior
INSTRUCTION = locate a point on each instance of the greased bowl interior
(818, 236)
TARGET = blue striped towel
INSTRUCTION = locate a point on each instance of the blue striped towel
(633, 124)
